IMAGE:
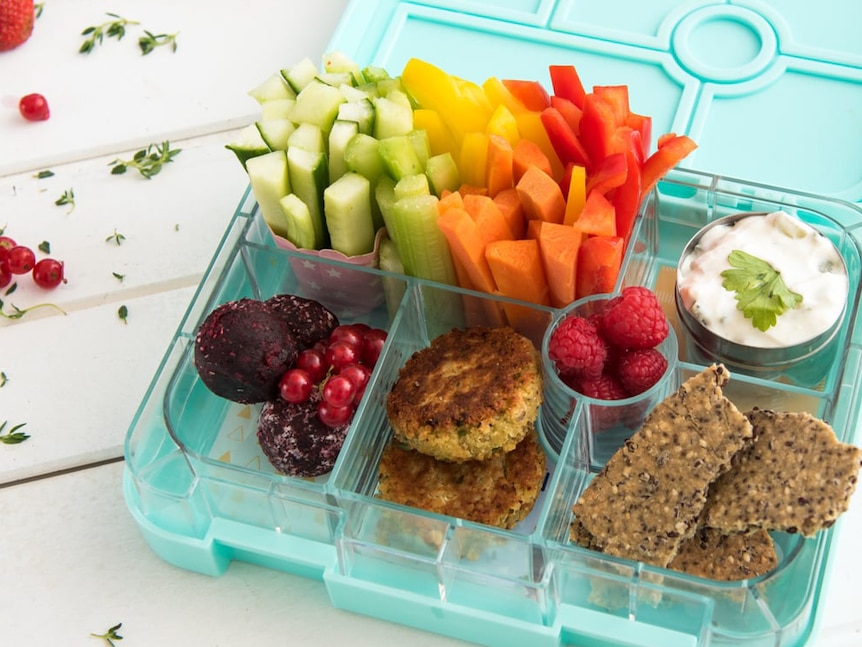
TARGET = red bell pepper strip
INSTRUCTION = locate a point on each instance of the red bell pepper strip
(571, 113)
(669, 154)
(530, 93)
(598, 129)
(567, 84)
(608, 173)
(627, 197)
(597, 217)
(618, 97)
(643, 125)
(566, 145)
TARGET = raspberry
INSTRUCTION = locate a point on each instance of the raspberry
(638, 370)
(602, 387)
(634, 320)
(576, 348)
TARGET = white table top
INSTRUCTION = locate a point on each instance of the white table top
(71, 558)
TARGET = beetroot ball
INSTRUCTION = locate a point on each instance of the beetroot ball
(309, 320)
(242, 349)
(294, 439)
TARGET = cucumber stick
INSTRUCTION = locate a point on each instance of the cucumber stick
(394, 287)
(420, 243)
(308, 173)
(273, 87)
(276, 132)
(317, 104)
(399, 157)
(347, 205)
(276, 109)
(339, 136)
(298, 222)
(300, 74)
(308, 137)
(442, 173)
(248, 143)
(393, 115)
(270, 182)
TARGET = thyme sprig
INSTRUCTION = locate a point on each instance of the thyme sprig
(68, 198)
(17, 312)
(149, 41)
(148, 161)
(13, 436)
(111, 29)
(117, 238)
(110, 635)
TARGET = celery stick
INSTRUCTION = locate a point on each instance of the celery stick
(421, 245)
(347, 209)
(389, 261)
(412, 185)
(384, 196)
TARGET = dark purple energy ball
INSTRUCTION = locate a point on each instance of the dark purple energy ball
(309, 320)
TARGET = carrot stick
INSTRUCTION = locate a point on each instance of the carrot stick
(509, 204)
(468, 247)
(488, 218)
(516, 266)
(599, 262)
(558, 245)
(526, 154)
(450, 199)
(541, 196)
(499, 174)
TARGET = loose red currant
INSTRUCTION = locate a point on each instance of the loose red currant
(295, 385)
(350, 333)
(333, 416)
(372, 344)
(21, 259)
(341, 353)
(34, 107)
(339, 391)
(5, 273)
(313, 362)
(6, 244)
(48, 273)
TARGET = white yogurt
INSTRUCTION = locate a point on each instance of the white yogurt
(809, 264)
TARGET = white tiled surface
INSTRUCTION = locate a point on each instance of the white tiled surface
(72, 560)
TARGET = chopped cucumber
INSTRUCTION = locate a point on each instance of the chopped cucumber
(399, 157)
(384, 197)
(421, 144)
(339, 136)
(270, 182)
(275, 132)
(335, 79)
(393, 115)
(307, 137)
(339, 62)
(375, 74)
(421, 245)
(352, 93)
(272, 88)
(247, 144)
(347, 206)
(276, 108)
(390, 84)
(412, 185)
(300, 74)
(308, 172)
(361, 111)
(317, 104)
(300, 225)
(362, 155)
(442, 173)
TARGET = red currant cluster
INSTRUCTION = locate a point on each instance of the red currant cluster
(18, 259)
(339, 367)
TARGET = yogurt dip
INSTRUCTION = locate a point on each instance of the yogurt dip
(808, 262)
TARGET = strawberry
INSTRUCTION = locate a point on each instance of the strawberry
(16, 22)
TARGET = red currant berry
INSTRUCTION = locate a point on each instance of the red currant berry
(34, 107)
(21, 259)
(295, 385)
(339, 391)
(372, 345)
(48, 273)
(341, 353)
(333, 416)
(349, 333)
(6, 244)
(359, 375)
(5, 273)
(313, 362)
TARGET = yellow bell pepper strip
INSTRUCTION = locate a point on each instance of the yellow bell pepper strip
(530, 93)
(575, 193)
(440, 140)
(504, 124)
(499, 95)
(473, 159)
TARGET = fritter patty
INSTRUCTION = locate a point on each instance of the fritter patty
(499, 491)
(471, 394)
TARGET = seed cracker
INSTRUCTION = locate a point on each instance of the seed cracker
(717, 556)
(647, 499)
(796, 477)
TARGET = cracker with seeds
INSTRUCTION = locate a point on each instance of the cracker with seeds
(715, 555)
(647, 499)
(796, 477)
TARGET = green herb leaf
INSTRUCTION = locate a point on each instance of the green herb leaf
(119, 276)
(45, 246)
(149, 41)
(41, 175)
(3, 379)
(97, 33)
(110, 635)
(761, 293)
(123, 314)
(68, 198)
(116, 237)
(13, 436)
(148, 161)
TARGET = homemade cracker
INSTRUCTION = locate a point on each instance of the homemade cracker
(796, 477)
(718, 556)
(647, 499)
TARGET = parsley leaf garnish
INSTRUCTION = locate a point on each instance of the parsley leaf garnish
(761, 293)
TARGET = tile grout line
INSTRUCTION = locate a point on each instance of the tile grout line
(62, 472)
